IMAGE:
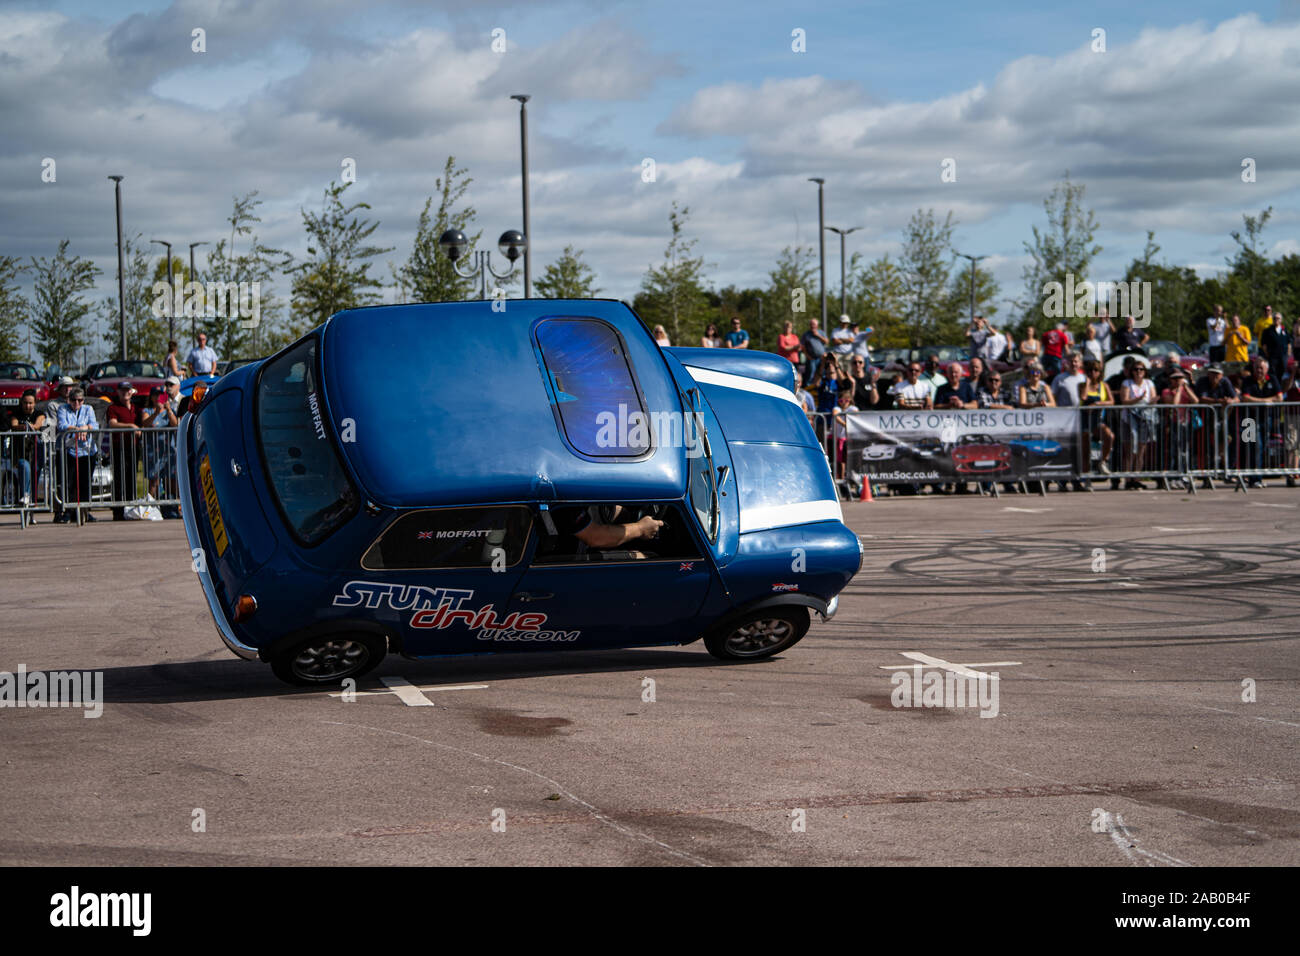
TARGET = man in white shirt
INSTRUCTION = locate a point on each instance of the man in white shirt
(911, 392)
(842, 338)
(1217, 325)
(860, 345)
(994, 346)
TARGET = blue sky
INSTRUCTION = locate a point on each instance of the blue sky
(1155, 128)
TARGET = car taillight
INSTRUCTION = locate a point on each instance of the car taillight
(197, 395)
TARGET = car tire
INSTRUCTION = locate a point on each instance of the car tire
(758, 634)
(329, 659)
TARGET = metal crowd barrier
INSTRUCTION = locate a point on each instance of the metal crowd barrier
(1154, 442)
(1170, 444)
(26, 485)
(115, 468)
(1261, 439)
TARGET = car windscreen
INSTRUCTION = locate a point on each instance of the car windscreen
(130, 370)
(490, 537)
(18, 372)
(311, 487)
(596, 397)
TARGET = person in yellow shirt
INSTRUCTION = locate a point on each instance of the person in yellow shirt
(1237, 341)
(1264, 323)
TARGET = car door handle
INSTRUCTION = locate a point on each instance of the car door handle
(534, 596)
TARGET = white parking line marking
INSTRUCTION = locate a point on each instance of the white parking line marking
(406, 692)
(1263, 504)
(411, 695)
(966, 670)
(1126, 584)
(1156, 527)
(1028, 511)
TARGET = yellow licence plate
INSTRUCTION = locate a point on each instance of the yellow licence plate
(214, 507)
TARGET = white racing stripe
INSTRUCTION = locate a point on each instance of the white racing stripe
(707, 376)
(780, 516)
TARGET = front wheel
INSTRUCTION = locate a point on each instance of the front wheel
(329, 659)
(759, 634)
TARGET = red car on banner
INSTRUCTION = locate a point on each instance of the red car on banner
(981, 455)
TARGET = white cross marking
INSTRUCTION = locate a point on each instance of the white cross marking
(409, 694)
(966, 670)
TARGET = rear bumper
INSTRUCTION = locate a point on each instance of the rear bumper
(190, 518)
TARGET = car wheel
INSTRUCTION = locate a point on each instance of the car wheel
(329, 659)
(759, 634)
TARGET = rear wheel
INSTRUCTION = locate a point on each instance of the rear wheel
(329, 659)
(759, 634)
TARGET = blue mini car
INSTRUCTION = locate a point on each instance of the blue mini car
(448, 479)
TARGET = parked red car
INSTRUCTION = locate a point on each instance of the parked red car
(981, 455)
(16, 378)
(141, 373)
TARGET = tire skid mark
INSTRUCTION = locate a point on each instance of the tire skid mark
(594, 811)
(839, 801)
(1123, 838)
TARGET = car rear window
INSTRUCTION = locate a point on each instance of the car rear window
(452, 538)
(311, 487)
(596, 397)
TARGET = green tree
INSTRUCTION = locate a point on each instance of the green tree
(337, 275)
(232, 335)
(13, 308)
(428, 275)
(877, 300)
(1174, 294)
(956, 310)
(924, 266)
(568, 277)
(792, 290)
(58, 309)
(1251, 283)
(1065, 247)
(146, 333)
(673, 295)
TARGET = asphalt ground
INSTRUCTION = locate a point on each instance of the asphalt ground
(1125, 628)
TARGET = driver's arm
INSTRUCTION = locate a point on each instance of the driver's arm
(597, 535)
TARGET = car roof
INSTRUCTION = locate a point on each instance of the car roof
(450, 405)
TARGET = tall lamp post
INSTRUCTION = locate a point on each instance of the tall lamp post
(523, 99)
(844, 309)
(171, 292)
(973, 260)
(194, 278)
(121, 271)
(821, 239)
(512, 245)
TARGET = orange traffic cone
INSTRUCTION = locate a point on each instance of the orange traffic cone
(866, 489)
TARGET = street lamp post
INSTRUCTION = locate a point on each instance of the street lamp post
(973, 260)
(821, 239)
(512, 245)
(523, 164)
(194, 278)
(844, 309)
(171, 292)
(121, 270)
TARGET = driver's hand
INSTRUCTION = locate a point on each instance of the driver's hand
(648, 527)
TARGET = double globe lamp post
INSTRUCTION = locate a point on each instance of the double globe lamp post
(511, 244)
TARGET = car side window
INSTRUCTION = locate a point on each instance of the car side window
(559, 542)
(488, 538)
